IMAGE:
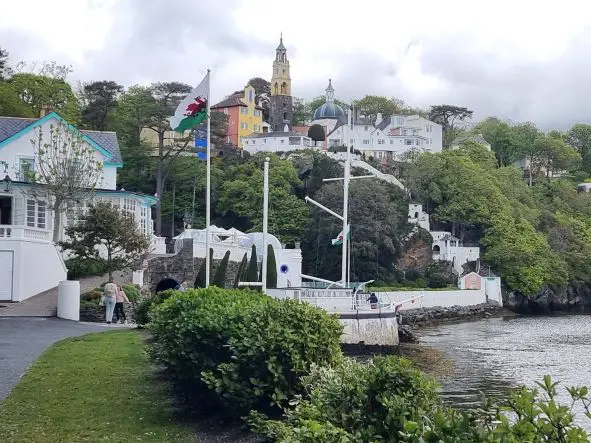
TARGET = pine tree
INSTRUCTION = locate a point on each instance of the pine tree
(220, 275)
(241, 274)
(271, 268)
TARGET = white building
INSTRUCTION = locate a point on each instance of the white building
(445, 246)
(275, 142)
(288, 261)
(385, 139)
(30, 262)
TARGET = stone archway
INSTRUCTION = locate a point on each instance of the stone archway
(167, 283)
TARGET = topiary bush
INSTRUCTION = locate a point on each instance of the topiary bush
(251, 350)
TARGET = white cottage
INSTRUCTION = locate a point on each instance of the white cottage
(30, 262)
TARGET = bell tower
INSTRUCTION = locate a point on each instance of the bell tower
(281, 103)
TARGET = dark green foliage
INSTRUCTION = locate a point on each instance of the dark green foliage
(219, 279)
(250, 349)
(79, 267)
(132, 292)
(252, 273)
(316, 133)
(386, 399)
(241, 274)
(115, 230)
(144, 307)
(271, 268)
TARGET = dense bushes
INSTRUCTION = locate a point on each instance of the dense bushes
(388, 400)
(248, 348)
(144, 306)
(79, 268)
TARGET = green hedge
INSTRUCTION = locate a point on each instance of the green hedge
(79, 268)
(251, 350)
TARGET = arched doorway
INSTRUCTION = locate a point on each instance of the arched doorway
(436, 251)
(167, 283)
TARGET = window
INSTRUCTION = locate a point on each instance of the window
(352, 141)
(225, 111)
(144, 220)
(243, 110)
(295, 141)
(408, 141)
(26, 166)
(366, 142)
(243, 125)
(257, 112)
(36, 214)
(381, 141)
(264, 140)
(399, 120)
(250, 95)
(228, 139)
(391, 141)
(429, 128)
(365, 128)
(129, 206)
(285, 116)
(284, 72)
(282, 141)
(245, 142)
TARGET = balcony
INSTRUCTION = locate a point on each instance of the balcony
(16, 232)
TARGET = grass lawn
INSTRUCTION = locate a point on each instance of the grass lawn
(98, 387)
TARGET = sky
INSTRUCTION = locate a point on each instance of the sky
(521, 60)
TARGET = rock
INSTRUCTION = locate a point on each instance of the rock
(406, 335)
(576, 296)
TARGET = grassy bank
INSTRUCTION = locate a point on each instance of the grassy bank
(98, 387)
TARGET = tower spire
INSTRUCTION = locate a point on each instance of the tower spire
(329, 91)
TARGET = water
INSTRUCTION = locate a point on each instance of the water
(497, 354)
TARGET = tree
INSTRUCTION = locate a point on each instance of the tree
(271, 268)
(11, 104)
(262, 91)
(579, 137)
(66, 170)
(525, 137)
(219, 278)
(165, 98)
(252, 273)
(301, 112)
(109, 236)
(5, 70)
(316, 133)
(100, 99)
(240, 197)
(219, 128)
(504, 141)
(372, 105)
(451, 118)
(555, 155)
(40, 93)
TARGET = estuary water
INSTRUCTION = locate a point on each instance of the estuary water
(494, 355)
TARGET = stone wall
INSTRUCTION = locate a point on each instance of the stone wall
(430, 316)
(183, 267)
(96, 313)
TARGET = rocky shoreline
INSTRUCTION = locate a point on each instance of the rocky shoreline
(414, 319)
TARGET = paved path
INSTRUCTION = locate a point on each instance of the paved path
(45, 304)
(22, 340)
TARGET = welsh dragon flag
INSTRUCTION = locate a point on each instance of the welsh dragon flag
(339, 240)
(193, 109)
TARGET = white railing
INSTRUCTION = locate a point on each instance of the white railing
(158, 245)
(24, 233)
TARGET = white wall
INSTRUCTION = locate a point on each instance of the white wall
(293, 259)
(431, 299)
(109, 179)
(22, 147)
(37, 267)
(274, 144)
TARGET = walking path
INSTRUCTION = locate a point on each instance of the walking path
(22, 340)
(45, 304)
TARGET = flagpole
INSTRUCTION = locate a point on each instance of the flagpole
(346, 204)
(208, 190)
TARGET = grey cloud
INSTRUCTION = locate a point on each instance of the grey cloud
(553, 94)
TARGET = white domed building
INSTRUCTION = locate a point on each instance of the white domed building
(328, 114)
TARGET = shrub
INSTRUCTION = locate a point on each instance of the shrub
(132, 292)
(219, 279)
(143, 308)
(252, 273)
(356, 402)
(92, 295)
(271, 268)
(241, 274)
(79, 267)
(251, 350)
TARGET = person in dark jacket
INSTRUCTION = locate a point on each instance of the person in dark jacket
(373, 300)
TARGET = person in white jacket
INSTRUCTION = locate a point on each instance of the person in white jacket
(109, 299)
